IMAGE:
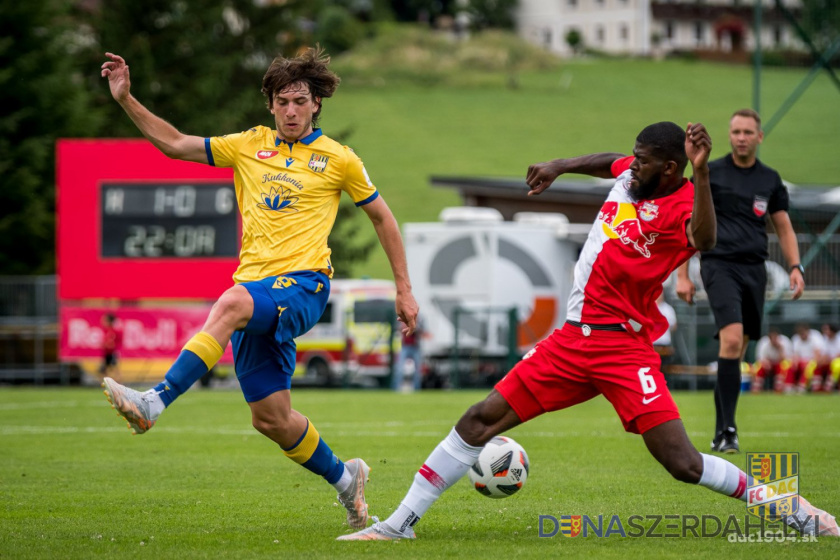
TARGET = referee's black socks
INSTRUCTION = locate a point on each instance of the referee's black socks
(728, 389)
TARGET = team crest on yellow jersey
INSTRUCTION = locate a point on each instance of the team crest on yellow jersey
(318, 163)
(278, 201)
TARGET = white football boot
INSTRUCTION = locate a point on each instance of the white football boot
(132, 405)
(353, 498)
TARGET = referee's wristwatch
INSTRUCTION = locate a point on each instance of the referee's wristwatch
(798, 267)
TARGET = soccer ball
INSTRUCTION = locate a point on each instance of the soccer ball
(501, 469)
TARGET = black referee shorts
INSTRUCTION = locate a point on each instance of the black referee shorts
(736, 293)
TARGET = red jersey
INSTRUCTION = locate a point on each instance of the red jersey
(631, 250)
(111, 340)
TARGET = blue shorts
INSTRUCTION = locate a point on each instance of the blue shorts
(285, 307)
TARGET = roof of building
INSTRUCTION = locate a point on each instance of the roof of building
(819, 199)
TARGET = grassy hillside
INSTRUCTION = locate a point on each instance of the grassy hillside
(406, 133)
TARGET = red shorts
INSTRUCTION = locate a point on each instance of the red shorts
(568, 368)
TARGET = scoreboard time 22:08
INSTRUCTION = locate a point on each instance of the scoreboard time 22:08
(158, 220)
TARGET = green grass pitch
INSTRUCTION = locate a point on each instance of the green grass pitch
(203, 484)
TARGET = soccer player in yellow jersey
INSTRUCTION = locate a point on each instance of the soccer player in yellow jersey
(288, 185)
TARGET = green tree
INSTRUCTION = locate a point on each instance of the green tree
(422, 10)
(821, 20)
(338, 30)
(349, 241)
(199, 63)
(574, 39)
(498, 14)
(43, 96)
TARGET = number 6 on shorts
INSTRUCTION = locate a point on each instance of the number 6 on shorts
(647, 381)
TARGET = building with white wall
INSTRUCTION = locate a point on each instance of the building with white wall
(641, 27)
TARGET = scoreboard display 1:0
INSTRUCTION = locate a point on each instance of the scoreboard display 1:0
(159, 220)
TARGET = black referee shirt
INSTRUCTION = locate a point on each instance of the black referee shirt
(743, 199)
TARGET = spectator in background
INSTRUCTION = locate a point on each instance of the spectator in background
(808, 351)
(773, 355)
(410, 350)
(831, 358)
(111, 344)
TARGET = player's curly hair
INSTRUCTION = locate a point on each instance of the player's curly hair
(309, 67)
(667, 140)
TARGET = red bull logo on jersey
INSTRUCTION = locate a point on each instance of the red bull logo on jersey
(648, 211)
(266, 154)
(620, 221)
(318, 163)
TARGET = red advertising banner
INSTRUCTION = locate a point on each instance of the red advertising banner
(147, 333)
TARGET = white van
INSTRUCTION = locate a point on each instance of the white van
(357, 338)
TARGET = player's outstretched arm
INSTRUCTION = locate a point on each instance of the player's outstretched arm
(541, 175)
(389, 236)
(702, 228)
(163, 135)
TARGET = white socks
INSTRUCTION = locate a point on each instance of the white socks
(449, 461)
(723, 477)
(343, 483)
(156, 404)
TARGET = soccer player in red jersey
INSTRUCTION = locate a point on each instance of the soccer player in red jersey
(111, 344)
(653, 220)
(773, 355)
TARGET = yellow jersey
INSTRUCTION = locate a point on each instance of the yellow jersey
(288, 195)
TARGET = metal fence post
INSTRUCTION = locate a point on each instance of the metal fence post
(455, 374)
(393, 332)
(513, 345)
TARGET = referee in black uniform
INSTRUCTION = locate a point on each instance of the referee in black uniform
(745, 193)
